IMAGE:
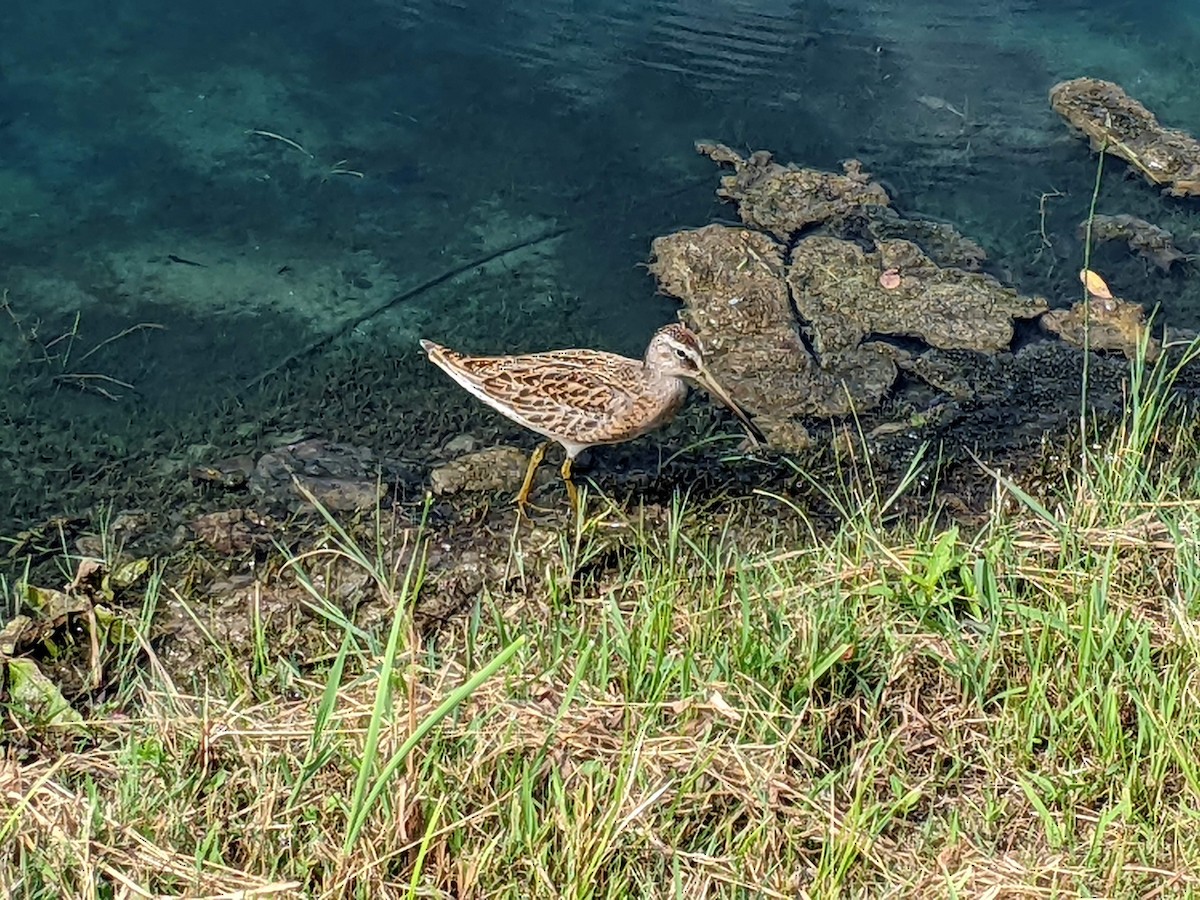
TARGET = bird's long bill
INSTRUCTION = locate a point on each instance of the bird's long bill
(705, 379)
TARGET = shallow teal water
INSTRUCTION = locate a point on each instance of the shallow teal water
(420, 135)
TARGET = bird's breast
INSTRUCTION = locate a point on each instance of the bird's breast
(662, 403)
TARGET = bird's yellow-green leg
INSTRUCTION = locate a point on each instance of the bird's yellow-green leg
(535, 460)
(572, 492)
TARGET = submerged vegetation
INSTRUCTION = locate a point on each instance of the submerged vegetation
(898, 704)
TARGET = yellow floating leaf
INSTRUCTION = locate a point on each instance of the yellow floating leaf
(1095, 285)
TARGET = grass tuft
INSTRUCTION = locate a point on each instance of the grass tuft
(679, 705)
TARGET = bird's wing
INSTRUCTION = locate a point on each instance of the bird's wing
(571, 394)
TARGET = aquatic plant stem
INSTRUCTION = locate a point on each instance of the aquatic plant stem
(427, 285)
(1087, 307)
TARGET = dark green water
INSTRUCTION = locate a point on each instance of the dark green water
(144, 181)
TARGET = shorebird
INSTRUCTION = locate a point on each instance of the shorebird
(585, 398)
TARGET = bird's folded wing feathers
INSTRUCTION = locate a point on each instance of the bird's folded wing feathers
(577, 402)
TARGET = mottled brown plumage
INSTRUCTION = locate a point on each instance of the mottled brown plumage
(583, 398)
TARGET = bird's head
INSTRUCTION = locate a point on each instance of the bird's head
(675, 351)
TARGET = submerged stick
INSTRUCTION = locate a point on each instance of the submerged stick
(140, 326)
(429, 284)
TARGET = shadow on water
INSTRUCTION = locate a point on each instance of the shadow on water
(314, 163)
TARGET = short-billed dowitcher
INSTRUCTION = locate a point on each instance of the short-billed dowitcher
(584, 398)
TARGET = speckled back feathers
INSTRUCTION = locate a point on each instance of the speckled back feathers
(579, 398)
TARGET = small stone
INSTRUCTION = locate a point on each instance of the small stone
(491, 469)
(461, 444)
(233, 531)
(342, 477)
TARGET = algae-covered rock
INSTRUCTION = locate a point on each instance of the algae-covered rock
(342, 477)
(1148, 241)
(785, 199)
(944, 243)
(1116, 123)
(735, 288)
(839, 290)
(823, 330)
(731, 281)
(231, 532)
(490, 469)
(1102, 324)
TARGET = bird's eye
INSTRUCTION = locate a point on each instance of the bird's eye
(682, 354)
